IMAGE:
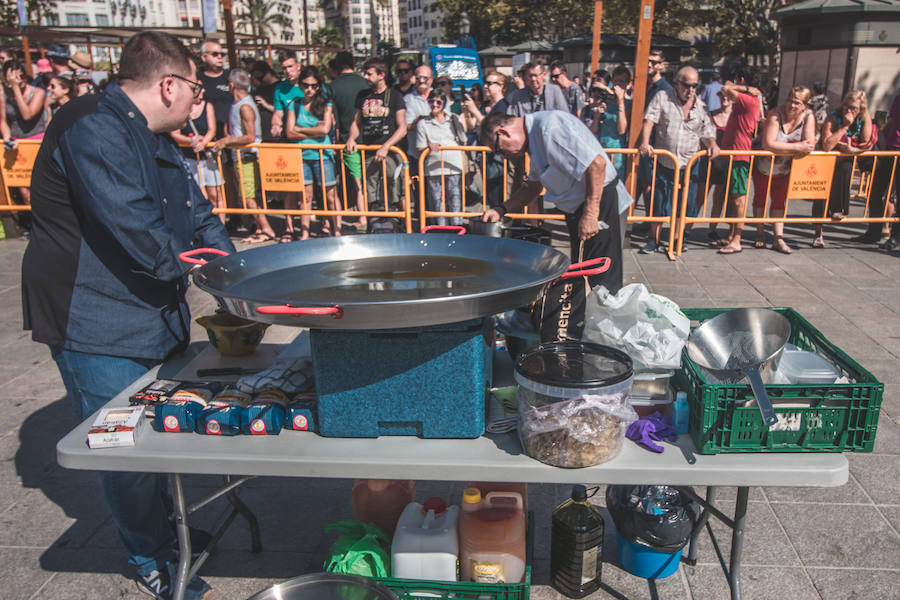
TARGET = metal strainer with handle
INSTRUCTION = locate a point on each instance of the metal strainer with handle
(745, 342)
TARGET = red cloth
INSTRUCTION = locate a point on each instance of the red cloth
(741, 125)
(778, 192)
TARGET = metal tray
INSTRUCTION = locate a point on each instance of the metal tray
(384, 281)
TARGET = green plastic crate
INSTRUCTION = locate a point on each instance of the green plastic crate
(416, 589)
(840, 417)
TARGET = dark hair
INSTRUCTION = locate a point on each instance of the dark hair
(490, 124)
(343, 60)
(375, 63)
(14, 65)
(603, 75)
(818, 88)
(149, 54)
(261, 68)
(477, 93)
(317, 103)
(557, 64)
(439, 95)
(67, 83)
(621, 70)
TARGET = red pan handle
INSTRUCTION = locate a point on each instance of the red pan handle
(604, 263)
(186, 256)
(459, 229)
(286, 309)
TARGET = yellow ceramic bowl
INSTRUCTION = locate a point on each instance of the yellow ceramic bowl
(232, 336)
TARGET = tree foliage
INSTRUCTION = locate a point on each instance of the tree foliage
(260, 17)
(37, 10)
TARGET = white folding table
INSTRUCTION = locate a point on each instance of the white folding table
(493, 457)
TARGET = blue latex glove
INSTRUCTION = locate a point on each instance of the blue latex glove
(653, 427)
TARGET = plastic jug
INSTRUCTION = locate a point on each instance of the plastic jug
(576, 546)
(486, 487)
(381, 501)
(491, 537)
(425, 544)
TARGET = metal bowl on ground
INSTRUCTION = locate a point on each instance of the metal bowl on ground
(326, 586)
(381, 281)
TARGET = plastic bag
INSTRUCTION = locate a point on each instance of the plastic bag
(362, 550)
(575, 432)
(650, 328)
(656, 515)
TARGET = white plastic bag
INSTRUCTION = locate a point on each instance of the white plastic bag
(650, 328)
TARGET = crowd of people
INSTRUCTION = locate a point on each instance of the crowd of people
(409, 108)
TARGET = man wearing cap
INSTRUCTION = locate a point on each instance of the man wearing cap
(102, 285)
(59, 59)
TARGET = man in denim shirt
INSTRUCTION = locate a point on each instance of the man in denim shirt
(102, 285)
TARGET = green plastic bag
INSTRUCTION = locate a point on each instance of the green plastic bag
(361, 550)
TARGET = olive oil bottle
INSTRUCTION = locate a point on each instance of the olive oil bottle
(576, 546)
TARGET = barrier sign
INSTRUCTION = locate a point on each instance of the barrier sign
(17, 164)
(280, 169)
(811, 177)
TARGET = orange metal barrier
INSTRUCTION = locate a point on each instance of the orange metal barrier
(281, 170)
(15, 172)
(880, 160)
(425, 213)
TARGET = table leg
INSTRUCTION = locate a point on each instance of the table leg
(184, 537)
(737, 542)
(701, 523)
(244, 510)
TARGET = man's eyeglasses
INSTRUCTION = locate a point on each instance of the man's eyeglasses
(216, 54)
(554, 77)
(196, 86)
(656, 62)
(691, 86)
(403, 71)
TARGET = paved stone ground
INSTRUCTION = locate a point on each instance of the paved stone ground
(57, 541)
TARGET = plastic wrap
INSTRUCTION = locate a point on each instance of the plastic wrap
(656, 515)
(574, 432)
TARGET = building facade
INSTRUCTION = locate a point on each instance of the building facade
(425, 24)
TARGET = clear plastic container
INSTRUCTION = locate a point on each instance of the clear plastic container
(573, 402)
(491, 537)
(381, 501)
(804, 367)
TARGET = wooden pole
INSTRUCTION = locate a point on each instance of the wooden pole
(641, 58)
(269, 53)
(28, 67)
(229, 34)
(595, 50)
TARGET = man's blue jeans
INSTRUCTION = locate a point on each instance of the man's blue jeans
(139, 502)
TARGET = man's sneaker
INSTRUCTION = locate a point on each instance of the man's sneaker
(159, 584)
(649, 248)
(889, 244)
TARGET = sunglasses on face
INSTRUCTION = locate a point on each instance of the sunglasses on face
(216, 54)
(403, 71)
(554, 77)
(690, 86)
(436, 102)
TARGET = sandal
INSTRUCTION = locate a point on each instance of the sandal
(731, 250)
(760, 242)
(286, 238)
(779, 245)
(819, 242)
(258, 238)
